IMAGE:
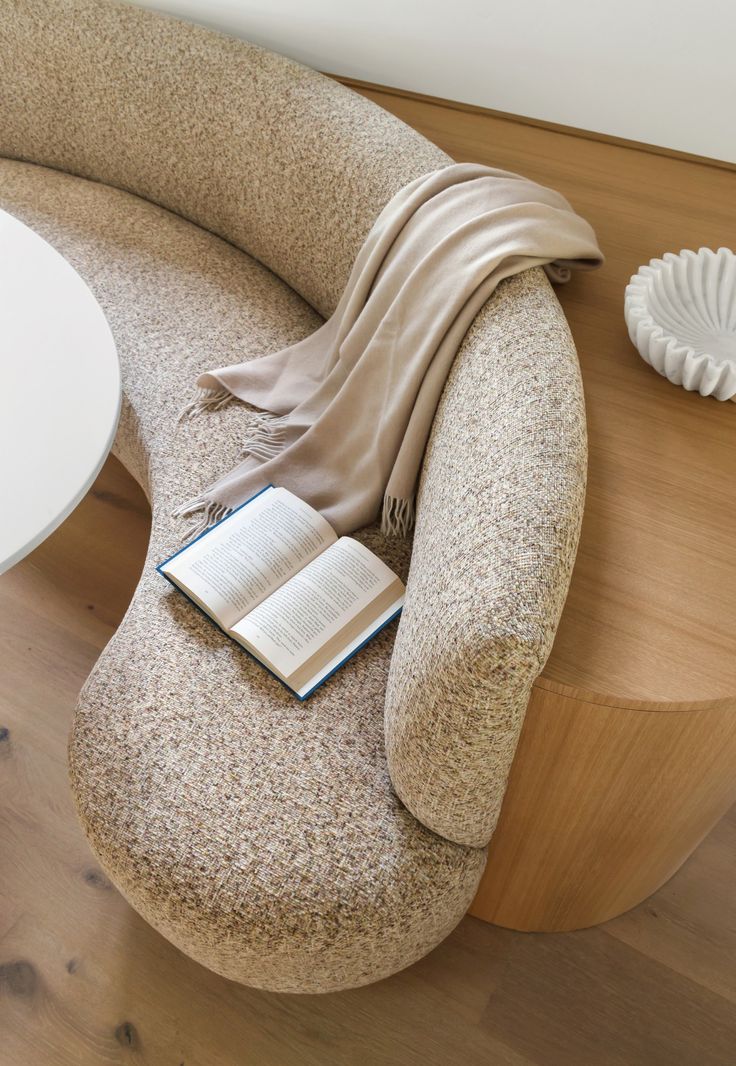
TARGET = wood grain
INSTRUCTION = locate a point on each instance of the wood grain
(84, 981)
(638, 698)
(651, 614)
(604, 804)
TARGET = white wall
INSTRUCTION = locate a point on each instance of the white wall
(660, 71)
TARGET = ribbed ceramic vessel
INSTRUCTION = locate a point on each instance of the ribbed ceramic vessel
(681, 315)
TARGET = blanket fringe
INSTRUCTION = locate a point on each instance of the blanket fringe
(208, 513)
(265, 437)
(397, 519)
(206, 400)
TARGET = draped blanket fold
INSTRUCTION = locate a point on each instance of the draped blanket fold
(345, 414)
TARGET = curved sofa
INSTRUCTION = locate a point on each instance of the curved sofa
(214, 195)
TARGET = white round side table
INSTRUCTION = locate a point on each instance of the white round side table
(59, 389)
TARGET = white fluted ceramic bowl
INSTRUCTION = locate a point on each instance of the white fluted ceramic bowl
(681, 315)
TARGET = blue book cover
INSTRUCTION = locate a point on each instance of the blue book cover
(280, 583)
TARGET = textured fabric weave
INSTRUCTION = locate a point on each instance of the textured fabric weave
(354, 402)
(286, 164)
(264, 840)
(499, 512)
(261, 836)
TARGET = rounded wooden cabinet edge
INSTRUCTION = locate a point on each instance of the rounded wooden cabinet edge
(604, 803)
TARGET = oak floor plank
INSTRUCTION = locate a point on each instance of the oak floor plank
(84, 981)
(586, 997)
(687, 927)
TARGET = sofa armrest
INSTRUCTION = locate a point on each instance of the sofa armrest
(498, 519)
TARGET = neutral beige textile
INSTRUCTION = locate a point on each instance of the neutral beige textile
(261, 836)
(263, 839)
(284, 163)
(354, 402)
(498, 517)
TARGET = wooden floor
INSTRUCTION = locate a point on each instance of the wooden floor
(651, 613)
(84, 981)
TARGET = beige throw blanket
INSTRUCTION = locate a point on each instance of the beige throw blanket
(346, 412)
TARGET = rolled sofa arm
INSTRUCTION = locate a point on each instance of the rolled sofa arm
(498, 519)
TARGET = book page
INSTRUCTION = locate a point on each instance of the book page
(245, 558)
(309, 678)
(304, 620)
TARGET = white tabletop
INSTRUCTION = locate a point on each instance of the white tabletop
(59, 389)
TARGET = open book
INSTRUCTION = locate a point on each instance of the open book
(274, 576)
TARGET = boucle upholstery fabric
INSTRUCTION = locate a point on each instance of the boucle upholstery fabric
(498, 518)
(348, 410)
(281, 161)
(260, 835)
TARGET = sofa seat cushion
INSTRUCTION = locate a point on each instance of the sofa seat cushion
(260, 835)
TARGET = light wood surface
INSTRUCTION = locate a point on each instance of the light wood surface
(628, 755)
(603, 806)
(85, 982)
(651, 614)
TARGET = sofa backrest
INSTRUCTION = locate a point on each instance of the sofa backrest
(293, 168)
(281, 161)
